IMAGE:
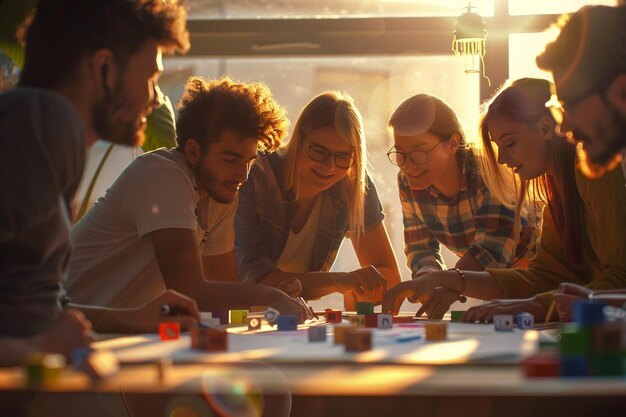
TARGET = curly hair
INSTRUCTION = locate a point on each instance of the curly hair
(207, 108)
(62, 32)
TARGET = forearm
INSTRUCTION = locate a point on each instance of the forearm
(314, 284)
(108, 320)
(478, 284)
(391, 274)
(469, 263)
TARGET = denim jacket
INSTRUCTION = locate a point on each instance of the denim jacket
(265, 213)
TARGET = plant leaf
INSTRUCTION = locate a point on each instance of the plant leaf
(12, 13)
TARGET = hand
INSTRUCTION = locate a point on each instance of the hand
(367, 284)
(285, 304)
(292, 286)
(70, 332)
(438, 304)
(146, 318)
(417, 290)
(421, 272)
(485, 312)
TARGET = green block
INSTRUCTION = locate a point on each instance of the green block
(456, 315)
(608, 364)
(364, 307)
(575, 340)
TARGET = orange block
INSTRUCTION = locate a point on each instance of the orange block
(208, 339)
(340, 332)
(169, 331)
(358, 340)
(436, 331)
(403, 319)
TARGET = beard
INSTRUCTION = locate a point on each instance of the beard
(110, 123)
(614, 140)
(208, 183)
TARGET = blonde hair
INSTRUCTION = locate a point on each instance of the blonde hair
(337, 110)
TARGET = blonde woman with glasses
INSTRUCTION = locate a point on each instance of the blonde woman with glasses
(300, 203)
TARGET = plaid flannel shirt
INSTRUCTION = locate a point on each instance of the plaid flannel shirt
(472, 222)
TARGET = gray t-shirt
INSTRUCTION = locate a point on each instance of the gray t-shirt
(42, 156)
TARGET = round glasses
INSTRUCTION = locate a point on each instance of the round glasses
(320, 154)
(417, 157)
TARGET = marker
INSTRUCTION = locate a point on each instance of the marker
(407, 338)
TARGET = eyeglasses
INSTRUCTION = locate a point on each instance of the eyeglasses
(320, 154)
(418, 157)
(558, 107)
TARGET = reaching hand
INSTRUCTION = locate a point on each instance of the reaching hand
(566, 296)
(367, 284)
(485, 312)
(292, 286)
(417, 290)
(285, 304)
(146, 318)
(70, 332)
(438, 303)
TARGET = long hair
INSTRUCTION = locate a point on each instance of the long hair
(524, 101)
(337, 110)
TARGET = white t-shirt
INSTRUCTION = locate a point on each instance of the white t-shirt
(113, 263)
(296, 256)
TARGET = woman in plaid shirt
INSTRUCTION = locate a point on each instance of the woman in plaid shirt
(444, 198)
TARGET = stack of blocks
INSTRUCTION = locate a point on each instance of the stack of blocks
(587, 346)
(340, 332)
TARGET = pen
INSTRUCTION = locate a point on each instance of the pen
(550, 311)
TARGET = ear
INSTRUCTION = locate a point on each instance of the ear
(616, 93)
(103, 70)
(192, 151)
(546, 127)
(454, 142)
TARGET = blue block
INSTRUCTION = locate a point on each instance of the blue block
(588, 313)
(287, 323)
(574, 366)
(525, 321)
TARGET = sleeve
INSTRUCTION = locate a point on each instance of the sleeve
(605, 202)
(373, 209)
(494, 243)
(545, 271)
(420, 246)
(253, 261)
(220, 237)
(162, 198)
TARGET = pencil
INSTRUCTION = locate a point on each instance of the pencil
(550, 311)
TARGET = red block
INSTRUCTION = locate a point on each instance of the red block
(169, 331)
(403, 319)
(371, 320)
(333, 316)
(543, 364)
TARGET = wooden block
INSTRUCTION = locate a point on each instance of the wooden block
(317, 334)
(333, 316)
(503, 322)
(364, 307)
(238, 316)
(169, 331)
(385, 321)
(456, 315)
(271, 315)
(436, 330)
(525, 321)
(371, 320)
(339, 332)
(357, 320)
(208, 340)
(44, 369)
(254, 323)
(543, 364)
(358, 340)
(287, 323)
(222, 314)
(403, 319)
